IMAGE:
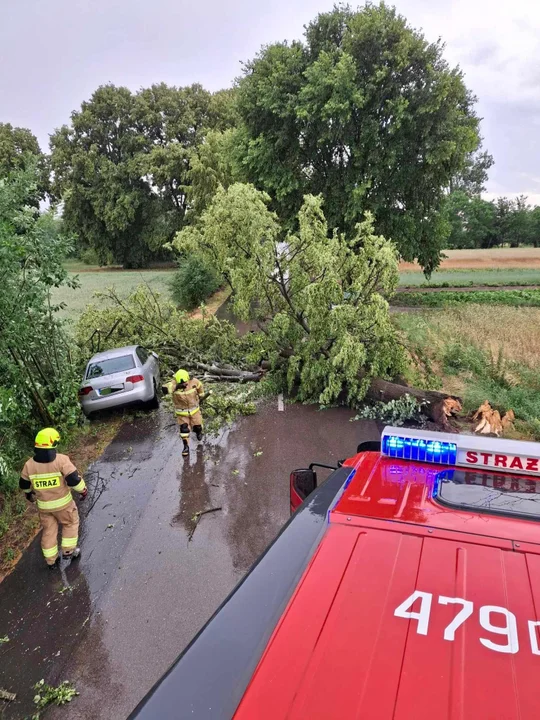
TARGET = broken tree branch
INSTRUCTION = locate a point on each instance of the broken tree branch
(197, 517)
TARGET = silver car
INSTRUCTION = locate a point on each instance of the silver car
(120, 377)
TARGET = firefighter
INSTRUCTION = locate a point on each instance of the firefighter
(48, 479)
(186, 394)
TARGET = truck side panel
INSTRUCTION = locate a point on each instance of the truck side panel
(342, 650)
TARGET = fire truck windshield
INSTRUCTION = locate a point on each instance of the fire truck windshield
(489, 493)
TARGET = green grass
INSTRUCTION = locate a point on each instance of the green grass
(514, 298)
(479, 353)
(462, 278)
(124, 282)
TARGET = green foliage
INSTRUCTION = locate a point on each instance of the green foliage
(405, 409)
(367, 113)
(517, 298)
(320, 301)
(473, 177)
(89, 256)
(506, 385)
(122, 167)
(38, 375)
(20, 151)
(472, 369)
(193, 283)
(49, 695)
(478, 223)
(145, 318)
(227, 403)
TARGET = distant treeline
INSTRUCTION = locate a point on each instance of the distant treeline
(478, 223)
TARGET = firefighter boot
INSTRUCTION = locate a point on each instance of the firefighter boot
(55, 564)
(185, 450)
(198, 433)
(75, 555)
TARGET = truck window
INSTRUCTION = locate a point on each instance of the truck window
(489, 492)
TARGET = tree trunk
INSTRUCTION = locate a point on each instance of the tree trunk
(436, 405)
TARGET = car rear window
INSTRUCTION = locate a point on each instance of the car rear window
(489, 492)
(111, 366)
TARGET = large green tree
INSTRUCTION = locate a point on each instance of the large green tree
(38, 381)
(19, 150)
(122, 167)
(366, 112)
(473, 177)
(473, 221)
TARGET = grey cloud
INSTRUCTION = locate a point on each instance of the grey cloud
(482, 54)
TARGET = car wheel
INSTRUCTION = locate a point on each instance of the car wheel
(153, 404)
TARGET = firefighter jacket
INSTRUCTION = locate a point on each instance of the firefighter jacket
(186, 402)
(52, 477)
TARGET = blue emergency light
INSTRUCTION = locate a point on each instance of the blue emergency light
(421, 449)
(513, 456)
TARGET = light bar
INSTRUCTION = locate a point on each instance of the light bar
(515, 456)
(432, 451)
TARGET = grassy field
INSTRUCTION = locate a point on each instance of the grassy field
(463, 278)
(92, 280)
(480, 352)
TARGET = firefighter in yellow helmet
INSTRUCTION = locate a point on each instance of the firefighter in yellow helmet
(48, 478)
(186, 395)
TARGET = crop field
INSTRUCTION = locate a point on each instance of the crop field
(448, 298)
(465, 278)
(95, 280)
(493, 259)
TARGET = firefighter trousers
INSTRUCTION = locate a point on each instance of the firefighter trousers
(68, 519)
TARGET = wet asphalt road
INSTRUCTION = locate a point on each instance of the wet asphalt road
(115, 620)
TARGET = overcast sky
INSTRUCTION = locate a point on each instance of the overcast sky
(56, 52)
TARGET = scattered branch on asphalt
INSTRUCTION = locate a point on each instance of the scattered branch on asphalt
(49, 695)
(197, 517)
(5, 695)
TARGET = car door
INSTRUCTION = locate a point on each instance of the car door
(149, 363)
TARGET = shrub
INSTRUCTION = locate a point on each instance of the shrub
(395, 412)
(193, 283)
(89, 256)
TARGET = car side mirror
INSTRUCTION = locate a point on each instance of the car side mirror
(303, 482)
(155, 355)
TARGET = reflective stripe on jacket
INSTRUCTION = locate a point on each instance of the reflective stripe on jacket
(186, 402)
(49, 482)
(188, 413)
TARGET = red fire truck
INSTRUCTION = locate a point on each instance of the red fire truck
(406, 586)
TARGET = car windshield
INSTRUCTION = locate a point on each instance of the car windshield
(489, 492)
(111, 366)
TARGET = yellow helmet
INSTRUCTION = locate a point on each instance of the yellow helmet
(182, 376)
(47, 438)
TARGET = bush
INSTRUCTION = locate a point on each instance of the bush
(89, 256)
(193, 283)
(395, 412)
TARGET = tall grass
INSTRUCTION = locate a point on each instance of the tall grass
(482, 353)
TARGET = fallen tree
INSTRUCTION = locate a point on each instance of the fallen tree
(212, 349)
(320, 301)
